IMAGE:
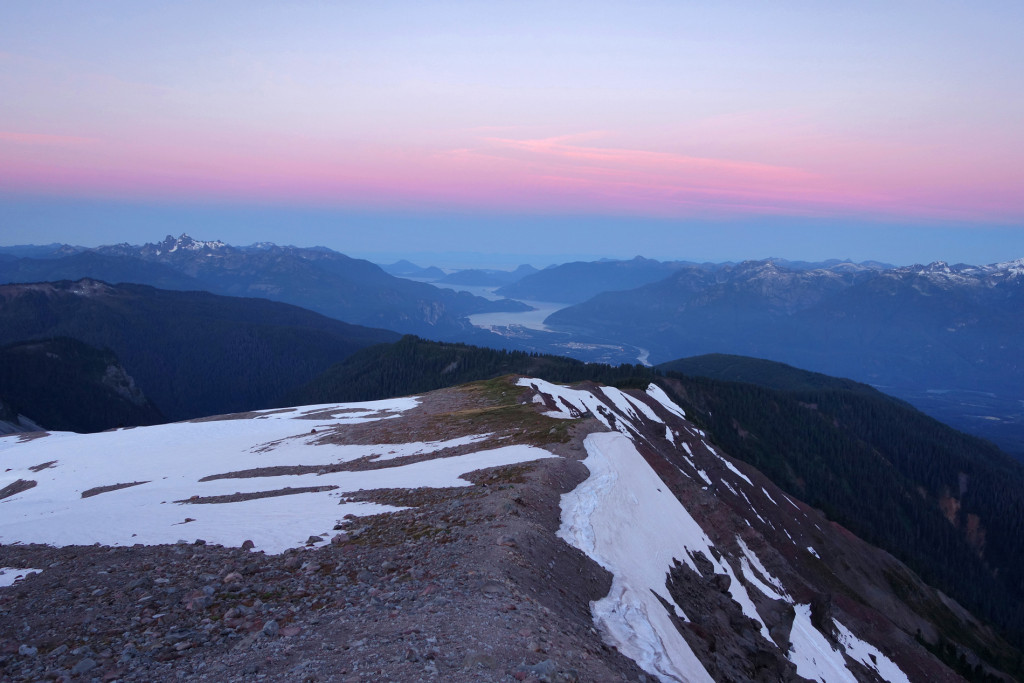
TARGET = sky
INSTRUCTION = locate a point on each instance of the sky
(519, 131)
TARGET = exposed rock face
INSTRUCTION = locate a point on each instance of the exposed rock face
(12, 422)
(67, 385)
(123, 385)
(476, 581)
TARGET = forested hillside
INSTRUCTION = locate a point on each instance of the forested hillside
(949, 505)
(415, 365)
(106, 267)
(191, 353)
(62, 384)
(765, 373)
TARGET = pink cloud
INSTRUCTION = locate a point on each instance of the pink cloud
(570, 173)
(657, 182)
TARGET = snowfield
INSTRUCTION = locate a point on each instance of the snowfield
(163, 467)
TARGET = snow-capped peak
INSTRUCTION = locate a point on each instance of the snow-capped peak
(186, 243)
(1015, 267)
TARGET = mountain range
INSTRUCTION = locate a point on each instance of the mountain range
(937, 335)
(943, 337)
(317, 278)
(578, 281)
(409, 269)
(486, 277)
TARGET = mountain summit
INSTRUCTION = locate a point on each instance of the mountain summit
(186, 243)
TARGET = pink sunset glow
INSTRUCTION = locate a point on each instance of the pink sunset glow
(571, 173)
(655, 111)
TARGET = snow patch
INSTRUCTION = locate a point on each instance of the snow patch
(571, 403)
(644, 409)
(9, 575)
(659, 395)
(870, 656)
(624, 517)
(621, 402)
(752, 508)
(738, 592)
(622, 414)
(813, 655)
(751, 577)
(732, 468)
(777, 590)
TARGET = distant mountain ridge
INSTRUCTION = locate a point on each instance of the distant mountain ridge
(579, 281)
(405, 268)
(52, 250)
(487, 277)
(471, 277)
(939, 335)
(106, 267)
(316, 278)
(921, 331)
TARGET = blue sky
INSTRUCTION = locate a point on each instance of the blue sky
(722, 131)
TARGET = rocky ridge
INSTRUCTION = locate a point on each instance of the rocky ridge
(474, 581)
